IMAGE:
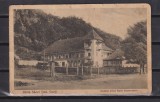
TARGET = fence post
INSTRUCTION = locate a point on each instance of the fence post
(67, 70)
(82, 69)
(52, 69)
(77, 70)
(98, 70)
(91, 71)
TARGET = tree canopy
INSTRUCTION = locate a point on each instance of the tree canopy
(135, 45)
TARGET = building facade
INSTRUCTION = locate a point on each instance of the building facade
(74, 52)
(117, 60)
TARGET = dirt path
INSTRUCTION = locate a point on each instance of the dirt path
(106, 82)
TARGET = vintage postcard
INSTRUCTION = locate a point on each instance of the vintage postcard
(80, 49)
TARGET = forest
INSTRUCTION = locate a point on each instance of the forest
(34, 30)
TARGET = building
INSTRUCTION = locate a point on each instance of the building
(114, 60)
(74, 52)
(117, 60)
(27, 62)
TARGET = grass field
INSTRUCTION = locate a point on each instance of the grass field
(29, 79)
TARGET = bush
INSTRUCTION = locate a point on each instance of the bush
(20, 83)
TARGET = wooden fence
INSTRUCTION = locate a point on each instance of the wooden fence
(90, 71)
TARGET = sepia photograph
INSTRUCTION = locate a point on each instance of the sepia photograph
(80, 49)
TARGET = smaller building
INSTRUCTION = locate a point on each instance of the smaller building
(28, 62)
(114, 60)
(117, 60)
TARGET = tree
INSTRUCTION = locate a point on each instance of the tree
(135, 45)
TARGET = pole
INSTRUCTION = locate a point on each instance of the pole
(43, 58)
(67, 70)
(52, 69)
(77, 70)
(82, 69)
(91, 70)
(98, 70)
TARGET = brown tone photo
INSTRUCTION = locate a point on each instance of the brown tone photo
(94, 49)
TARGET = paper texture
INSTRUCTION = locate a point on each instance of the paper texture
(80, 49)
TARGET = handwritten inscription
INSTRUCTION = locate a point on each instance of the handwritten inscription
(39, 91)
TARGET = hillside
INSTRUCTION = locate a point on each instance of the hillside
(35, 30)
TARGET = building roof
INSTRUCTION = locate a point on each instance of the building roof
(72, 44)
(66, 45)
(106, 48)
(117, 54)
(93, 35)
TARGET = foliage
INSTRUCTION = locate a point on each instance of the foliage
(135, 45)
(35, 30)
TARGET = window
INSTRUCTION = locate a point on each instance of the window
(63, 64)
(106, 62)
(89, 54)
(50, 58)
(75, 63)
(77, 55)
(56, 56)
(62, 56)
(67, 56)
(70, 55)
(56, 64)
